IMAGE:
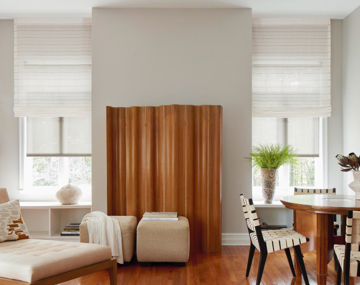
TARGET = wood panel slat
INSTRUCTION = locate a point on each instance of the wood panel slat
(168, 158)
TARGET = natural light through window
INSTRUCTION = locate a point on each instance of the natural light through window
(56, 151)
(305, 135)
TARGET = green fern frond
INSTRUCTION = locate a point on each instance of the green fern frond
(272, 156)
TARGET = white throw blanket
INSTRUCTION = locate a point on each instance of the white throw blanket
(106, 231)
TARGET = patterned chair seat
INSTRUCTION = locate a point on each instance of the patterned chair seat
(354, 259)
(279, 239)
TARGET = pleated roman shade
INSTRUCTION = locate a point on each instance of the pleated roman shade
(52, 67)
(291, 67)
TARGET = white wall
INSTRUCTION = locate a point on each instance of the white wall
(9, 125)
(335, 122)
(156, 57)
(351, 87)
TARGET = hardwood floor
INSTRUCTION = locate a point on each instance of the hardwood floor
(227, 267)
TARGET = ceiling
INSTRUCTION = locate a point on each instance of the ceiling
(335, 9)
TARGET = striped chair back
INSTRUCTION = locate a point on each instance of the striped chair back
(251, 217)
(352, 234)
(306, 191)
(253, 223)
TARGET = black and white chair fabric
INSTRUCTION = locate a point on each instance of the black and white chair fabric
(268, 241)
(308, 191)
(347, 256)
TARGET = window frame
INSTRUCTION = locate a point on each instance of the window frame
(321, 180)
(63, 162)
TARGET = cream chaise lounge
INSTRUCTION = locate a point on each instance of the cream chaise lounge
(31, 261)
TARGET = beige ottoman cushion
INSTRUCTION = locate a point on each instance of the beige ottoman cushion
(163, 241)
(31, 260)
(128, 231)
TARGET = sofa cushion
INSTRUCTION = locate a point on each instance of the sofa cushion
(12, 226)
(31, 260)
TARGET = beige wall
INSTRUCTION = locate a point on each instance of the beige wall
(9, 125)
(351, 87)
(150, 57)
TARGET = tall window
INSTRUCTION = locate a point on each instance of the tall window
(291, 96)
(305, 134)
(57, 151)
(53, 100)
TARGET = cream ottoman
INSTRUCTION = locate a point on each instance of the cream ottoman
(128, 231)
(163, 241)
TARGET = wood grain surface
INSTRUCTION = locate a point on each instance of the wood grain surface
(168, 158)
(322, 204)
(227, 267)
(313, 217)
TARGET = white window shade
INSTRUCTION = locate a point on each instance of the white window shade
(52, 67)
(291, 67)
(52, 136)
(302, 133)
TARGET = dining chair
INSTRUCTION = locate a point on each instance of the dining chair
(267, 241)
(308, 191)
(347, 256)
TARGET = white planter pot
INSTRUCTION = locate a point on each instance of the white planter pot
(355, 185)
(69, 194)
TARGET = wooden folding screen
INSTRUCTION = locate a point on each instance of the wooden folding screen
(168, 158)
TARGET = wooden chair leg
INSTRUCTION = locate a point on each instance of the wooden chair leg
(346, 270)
(250, 259)
(346, 278)
(301, 263)
(338, 279)
(261, 267)
(113, 273)
(335, 263)
(288, 255)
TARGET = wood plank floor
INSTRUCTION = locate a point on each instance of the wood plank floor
(227, 267)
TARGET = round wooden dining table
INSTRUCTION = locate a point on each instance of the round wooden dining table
(313, 218)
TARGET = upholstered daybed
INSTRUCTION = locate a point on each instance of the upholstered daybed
(32, 261)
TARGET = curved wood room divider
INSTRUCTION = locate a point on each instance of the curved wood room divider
(167, 158)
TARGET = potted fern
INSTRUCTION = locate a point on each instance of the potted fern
(268, 158)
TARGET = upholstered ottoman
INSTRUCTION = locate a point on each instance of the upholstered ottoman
(128, 231)
(163, 241)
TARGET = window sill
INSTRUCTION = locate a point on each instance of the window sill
(53, 205)
(274, 205)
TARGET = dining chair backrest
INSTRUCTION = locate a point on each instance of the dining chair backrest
(251, 217)
(253, 224)
(352, 236)
(306, 191)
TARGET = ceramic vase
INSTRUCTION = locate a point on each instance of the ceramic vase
(268, 178)
(69, 194)
(355, 185)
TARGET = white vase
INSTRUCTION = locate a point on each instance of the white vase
(69, 194)
(355, 185)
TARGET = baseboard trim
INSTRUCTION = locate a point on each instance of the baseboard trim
(235, 239)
